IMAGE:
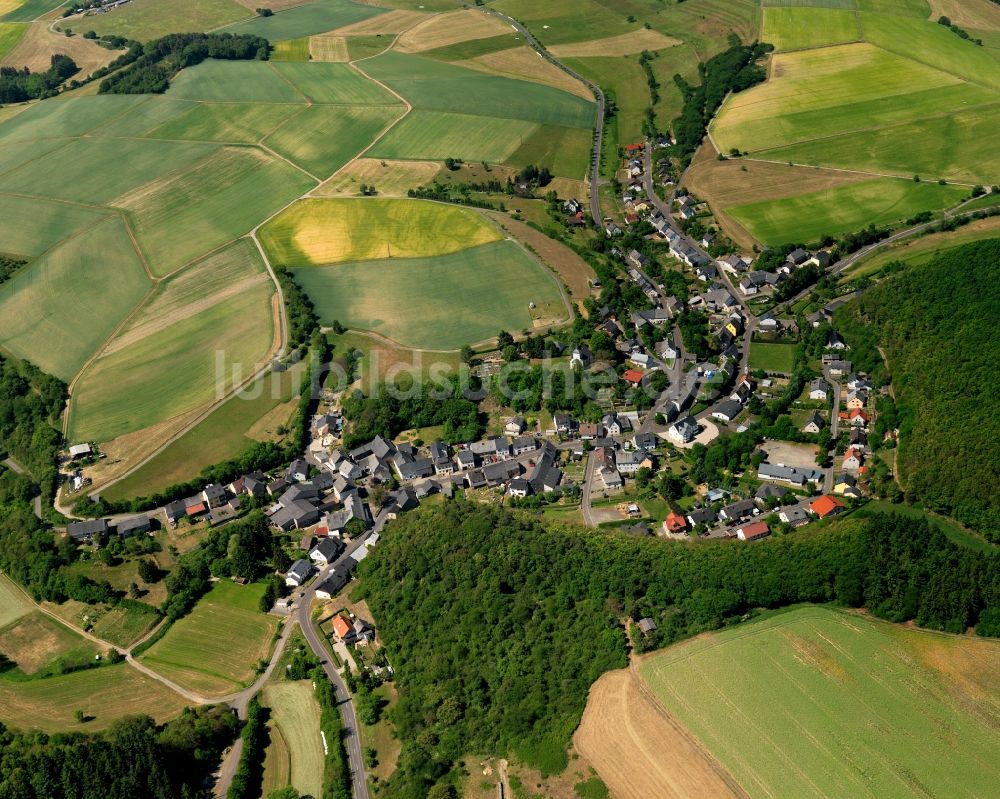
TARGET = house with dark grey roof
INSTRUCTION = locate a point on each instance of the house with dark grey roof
(789, 474)
(519, 487)
(214, 495)
(814, 423)
(175, 510)
(684, 430)
(794, 516)
(766, 491)
(326, 551)
(727, 410)
(738, 511)
(466, 459)
(133, 525)
(86, 530)
(298, 573)
(701, 516)
(523, 444)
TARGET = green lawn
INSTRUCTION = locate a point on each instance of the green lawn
(215, 648)
(837, 704)
(323, 138)
(441, 302)
(327, 82)
(210, 204)
(220, 436)
(437, 86)
(319, 232)
(58, 310)
(306, 20)
(772, 357)
(435, 135)
(800, 28)
(174, 369)
(565, 151)
(952, 530)
(144, 20)
(807, 217)
(13, 602)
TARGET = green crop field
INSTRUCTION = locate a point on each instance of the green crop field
(291, 50)
(10, 35)
(328, 82)
(434, 135)
(807, 217)
(306, 20)
(903, 8)
(565, 151)
(67, 117)
(475, 47)
(150, 19)
(215, 648)
(233, 81)
(962, 146)
(560, 21)
(317, 232)
(438, 86)
(29, 227)
(245, 123)
(441, 302)
(16, 153)
(934, 45)
(30, 10)
(295, 711)
(223, 434)
(89, 170)
(323, 138)
(800, 28)
(772, 357)
(104, 695)
(13, 603)
(124, 626)
(846, 4)
(215, 201)
(173, 369)
(818, 702)
(57, 311)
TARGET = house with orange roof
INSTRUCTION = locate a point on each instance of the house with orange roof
(674, 523)
(751, 532)
(342, 627)
(633, 376)
(853, 460)
(826, 506)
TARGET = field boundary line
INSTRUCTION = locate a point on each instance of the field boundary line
(66, 142)
(841, 169)
(301, 169)
(296, 89)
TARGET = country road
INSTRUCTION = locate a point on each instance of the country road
(588, 479)
(595, 159)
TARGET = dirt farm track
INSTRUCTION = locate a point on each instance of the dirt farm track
(640, 751)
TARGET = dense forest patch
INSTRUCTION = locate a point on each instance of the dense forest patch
(936, 326)
(498, 625)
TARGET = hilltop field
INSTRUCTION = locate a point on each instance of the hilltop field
(872, 90)
(182, 285)
(834, 703)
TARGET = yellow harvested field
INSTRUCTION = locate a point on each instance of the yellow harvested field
(321, 231)
(639, 750)
(525, 64)
(395, 21)
(449, 28)
(39, 44)
(6, 6)
(390, 178)
(625, 44)
(981, 15)
(328, 48)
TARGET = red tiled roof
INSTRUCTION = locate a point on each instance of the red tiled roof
(755, 530)
(194, 510)
(675, 522)
(826, 505)
(632, 376)
(341, 626)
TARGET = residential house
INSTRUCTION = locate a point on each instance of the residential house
(297, 514)
(767, 491)
(87, 530)
(298, 573)
(519, 487)
(769, 325)
(611, 478)
(175, 511)
(637, 259)
(628, 461)
(798, 257)
(441, 458)
(523, 444)
(580, 357)
(856, 400)
(612, 427)
(838, 367)
(674, 524)
(826, 506)
(733, 263)
(795, 516)
(814, 423)
(821, 259)
(706, 516)
(298, 470)
(647, 626)
(214, 495)
(835, 342)
(856, 382)
(858, 438)
(466, 459)
(633, 376)
(846, 485)
(684, 430)
(753, 532)
(858, 418)
(338, 578)
(727, 410)
(415, 469)
(705, 272)
(666, 350)
(515, 426)
(500, 472)
(326, 551)
(819, 389)
(80, 451)
(738, 511)
(645, 441)
(853, 460)
(134, 525)
(590, 430)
